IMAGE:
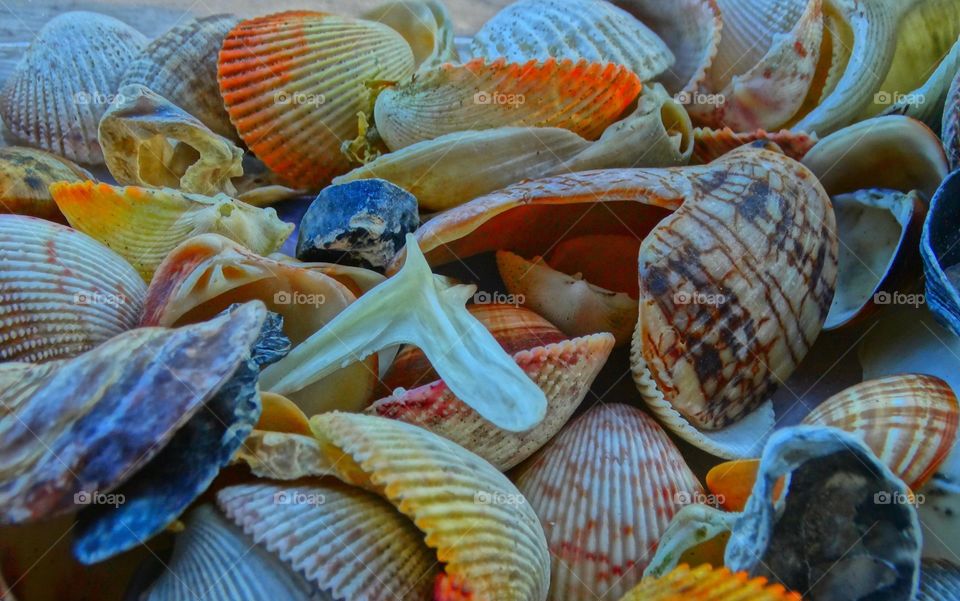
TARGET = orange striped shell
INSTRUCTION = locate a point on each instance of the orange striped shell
(294, 82)
(707, 583)
(910, 422)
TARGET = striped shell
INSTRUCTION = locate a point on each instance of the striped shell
(181, 66)
(707, 583)
(25, 176)
(939, 580)
(425, 24)
(950, 130)
(909, 421)
(206, 274)
(941, 254)
(294, 82)
(349, 543)
(580, 96)
(63, 292)
(54, 98)
(711, 144)
(734, 289)
(214, 558)
(574, 29)
(563, 369)
(605, 489)
(144, 224)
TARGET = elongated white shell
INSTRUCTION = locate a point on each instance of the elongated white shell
(63, 292)
(66, 80)
(605, 489)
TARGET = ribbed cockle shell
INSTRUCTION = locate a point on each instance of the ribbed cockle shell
(707, 583)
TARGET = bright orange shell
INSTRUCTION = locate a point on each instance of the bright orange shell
(706, 583)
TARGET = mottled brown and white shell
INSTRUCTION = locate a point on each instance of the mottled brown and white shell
(25, 178)
(181, 66)
(66, 80)
(605, 489)
(63, 292)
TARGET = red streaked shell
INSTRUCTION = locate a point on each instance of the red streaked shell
(348, 542)
(582, 97)
(711, 144)
(605, 489)
(909, 421)
(294, 82)
(707, 583)
(63, 292)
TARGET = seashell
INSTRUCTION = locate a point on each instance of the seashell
(361, 223)
(349, 543)
(54, 98)
(455, 168)
(425, 24)
(144, 224)
(941, 254)
(691, 529)
(148, 141)
(563, 369)
(711, 144)
(765, 65)
(950, 129)
(293, 118)
(26, 174)
(206, 274)
(260, 187)
(582, 97)
(280, 414)
(600, 543)
(214, 558)
(118, 434)
(879, 231)
(707, 583)
(823, 548)
(578, 307)
(909, 421)
(416, 307)
(181, 66)
(939, 580)
(574, 29)
(690, 28)
(63, 292)
(862, 153)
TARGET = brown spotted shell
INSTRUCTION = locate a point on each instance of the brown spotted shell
(26, 174)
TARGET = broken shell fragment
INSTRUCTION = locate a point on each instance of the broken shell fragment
(25, 178)
(60, 88)
(144, 224)
(149, 141)
(425, 24)
(909, 421)
(574, 29)
(64, 293)
(940, 249)
(582, 97)
(294, 82)
(601, 543)
(361, 223)
(280, 414)
(706, 583)
(181, 66)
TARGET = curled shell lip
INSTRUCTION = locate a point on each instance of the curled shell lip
(941, 253)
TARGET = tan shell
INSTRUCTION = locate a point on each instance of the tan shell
(711, 144)
(149, 141)
(25, 178)
(425, 24)
(64, 293)
(66, 80)
(349, 543)
(909, 421)
(181, 66)
(605, 489)
(574, 29)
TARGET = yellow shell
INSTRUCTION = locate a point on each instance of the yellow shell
(293, 84)
(181, 66)
(26, 175)
(707, 583)
(63, 292)
(144, 225)
(56, 95)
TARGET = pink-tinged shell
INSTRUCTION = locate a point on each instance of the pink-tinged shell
(605, 490)
(711, 144)
(348, 542)
(564, 370)
(909, 421)
(63, 293)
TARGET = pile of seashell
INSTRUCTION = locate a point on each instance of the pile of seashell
(344, 308)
